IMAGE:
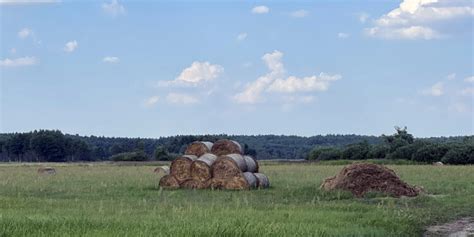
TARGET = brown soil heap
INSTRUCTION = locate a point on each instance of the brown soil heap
(225, 147)
(361, 178)
(198, 148)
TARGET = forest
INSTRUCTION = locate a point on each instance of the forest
(55, 146)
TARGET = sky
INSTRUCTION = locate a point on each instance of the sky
(161, 68)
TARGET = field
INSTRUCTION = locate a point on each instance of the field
(110, 200)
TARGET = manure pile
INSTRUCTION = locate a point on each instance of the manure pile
(361, 178)
(221, 165)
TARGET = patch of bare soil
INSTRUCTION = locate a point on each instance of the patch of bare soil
(461, 228)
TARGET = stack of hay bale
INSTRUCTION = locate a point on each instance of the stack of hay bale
(221, 165)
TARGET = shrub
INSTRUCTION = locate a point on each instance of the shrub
(378, 152)
(358, 151)
(430, 153)
(130, 156)
(460, 155)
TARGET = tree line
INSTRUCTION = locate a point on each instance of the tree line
(55, 146)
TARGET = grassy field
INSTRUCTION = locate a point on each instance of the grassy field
(111, 200)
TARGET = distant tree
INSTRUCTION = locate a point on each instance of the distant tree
(399, 139)
(460, 155)
(358, 151)
(430, 153)
(49, 145)
(161, 153)
(379, 151)
(130, 156)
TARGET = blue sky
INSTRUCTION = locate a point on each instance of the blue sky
(150, 69)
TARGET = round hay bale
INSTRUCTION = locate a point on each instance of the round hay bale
(361, 178)
(217, 183)
(201, 168)
(46, 170)
(251, 179)
(228, 166)
(225, 147)
(252, 164)
(195, 184)
(262, 180)
(169, 181)
(236, 183)
(181, 167)
(162, 169)
(198, 148)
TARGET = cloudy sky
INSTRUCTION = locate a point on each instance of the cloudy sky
(150, 69)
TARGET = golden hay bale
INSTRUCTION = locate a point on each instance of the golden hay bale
(198, 148)
(228, 166)
(162, 169)
(217, 183)
(225, 147)
(181, 167)
(251, 179)
(201, 168)
(195, 184)
(252, 164)
(46, 170)
(169, 181)
(262, 180)
(236, 183)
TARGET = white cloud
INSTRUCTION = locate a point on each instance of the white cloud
(24, 33)
(469, 79)
(196, 74)
(70, 46)
(363, 17)
(299, 13)
(177, 98)
(114, 8)
(451, 76)
(110, 59)
(13, 2)
(306, 84)
(18, 62)
(460, 107)
(13, 50)
(469, 91)
(260, 10)
(152, 101)
(342, 35)
(435, 90)
(241, 36)
(417, 19)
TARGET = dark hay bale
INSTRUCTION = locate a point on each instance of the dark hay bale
(228, 166)
(181, 167)
(168, 181)
(195, 184)
(201, 168)
(198, 148)
(252, 164)
(251, 179)
(262, 180)
(225, 147)
(361, 178)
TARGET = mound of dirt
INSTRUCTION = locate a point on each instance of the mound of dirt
(361, 178)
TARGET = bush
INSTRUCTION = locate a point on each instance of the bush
(378, 152)
(430, 153)
(130, 156)
(358, 151)
(460, 155)
(330, 154)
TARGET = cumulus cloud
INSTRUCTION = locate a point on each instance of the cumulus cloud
(469, 91)
(363, 17)
(242, 36)
(178, 98)
(417, 19)
(18, 62)
(260, 10)
(435, 90)
(196, 74)
(151, 101)
(451, 76)
(24, 33)
(275, 81)
(110, 59)
(342, 35)
(70, 46)
(469, 79)
(114, 8)
(299, 13)
(19, 2)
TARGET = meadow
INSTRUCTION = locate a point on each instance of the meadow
(103, 199)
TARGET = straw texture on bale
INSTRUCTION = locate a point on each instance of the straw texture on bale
(181, 167)
(162, 169)
(46, 170)
(236, 183)
(252, 164)
(251, 179)
(228, 166)
(217, 183)
(198, 148)
(169, 181)
(262, 180)
(201, 168)
(225, 147)
(195, 184)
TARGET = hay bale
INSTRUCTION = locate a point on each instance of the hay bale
(169, 181)
(181, 167)
(225, 147)
(46, 170)
(198, 148)
(251, 179)
(439, 163)
(162, 169)
(262, 180)
(216, 183)
(361, 178)
(252, 164)
(201, 168)
(236, 183)
(195, 184)
(228, 166)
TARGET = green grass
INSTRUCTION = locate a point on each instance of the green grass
(108, 200)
